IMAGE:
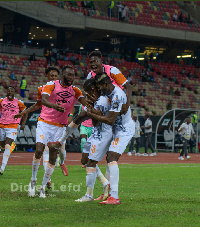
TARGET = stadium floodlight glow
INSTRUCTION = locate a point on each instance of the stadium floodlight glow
(47, 35)
(34, 35)
(29, 33)
(38, 27)
(108, 36)
(42, 30)
(186, 56)
(37, 43)
(96, 49)
(81, 48)
(154, 57)
(140, 58)
(1, 40)
(50, 37)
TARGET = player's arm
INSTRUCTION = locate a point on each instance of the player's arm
(70, 117)
(49, 87)
(121, 80)
(33, 108)
(109, 119)
(79, 96)
(22, 107)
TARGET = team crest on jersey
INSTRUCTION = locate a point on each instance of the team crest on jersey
(9, 107)
(63, 96)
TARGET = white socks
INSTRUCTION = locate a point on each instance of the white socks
(107, 175)
(6, 156)
(114, 180)
(101, 177)
(90, 180)
(35, 167)
(47, 176)
(45, 158)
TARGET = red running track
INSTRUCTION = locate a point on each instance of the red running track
(74, 159)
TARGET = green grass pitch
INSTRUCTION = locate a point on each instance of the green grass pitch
(151, 195)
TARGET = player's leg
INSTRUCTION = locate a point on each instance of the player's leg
(8, 135)
(146, 144)
(62, 155)
(150, 144)
(45, 157)
(131, 147)
(90, 181)
(185, 150)
(137, 146)
(49, 171)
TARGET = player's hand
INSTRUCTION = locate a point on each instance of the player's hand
(22, 127)
(142, 127)
(91, 98)
(19, 115)
(124, 108)
(59, 108)
(142, 133)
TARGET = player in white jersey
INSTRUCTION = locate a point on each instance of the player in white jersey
(122, 127)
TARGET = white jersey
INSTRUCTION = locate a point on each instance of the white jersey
(148, 123)
(102, 104)
(137, 129)
(123, 121)
(187, 130)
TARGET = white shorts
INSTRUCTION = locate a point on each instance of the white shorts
(48, 133)
(98, 147)
(8, 133)
(121, 140)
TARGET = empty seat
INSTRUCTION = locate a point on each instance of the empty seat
(22, 141)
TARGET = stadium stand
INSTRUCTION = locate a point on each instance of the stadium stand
(148, 13)
(165, 75)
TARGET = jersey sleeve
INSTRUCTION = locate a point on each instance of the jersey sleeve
(48, 88)
(116, 103)
(78, 93)
(39, 94)
(117, 75)
(89, 76)
(21, 105)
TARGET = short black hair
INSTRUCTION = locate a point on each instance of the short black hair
(11, 87)
(51, 68)
(88, 84)
(102, 78)
(95, 54)
(67, 67)
(147, 115)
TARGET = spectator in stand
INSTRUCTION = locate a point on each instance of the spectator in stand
(110, 8)
(183, 71)
(12, 76)
(3, 65)
(151, 57)
(143, 93)
(72, 59)
(48, 56)
(182, 63)
(77, 61)
(125, 13)
(171, 91)
(151, 79)
(189, 75)
(180, 18)
(24, 44)
(120, 8)
(145, 60)
(66, 57)
(112, 62)
(175, 17)
(177, 92)
(32, 57)
(23, 87)
(169, 105)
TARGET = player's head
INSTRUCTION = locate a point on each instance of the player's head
(68, 75)
(90, 87)
(95, 61)
(146, 116)
(103, 83)
(10, 93)
(188, 120)
(135, 117)
(52, 73)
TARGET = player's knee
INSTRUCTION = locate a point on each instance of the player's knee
(112, 157)
(52, 156)
(38, 154)
(91, 163)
